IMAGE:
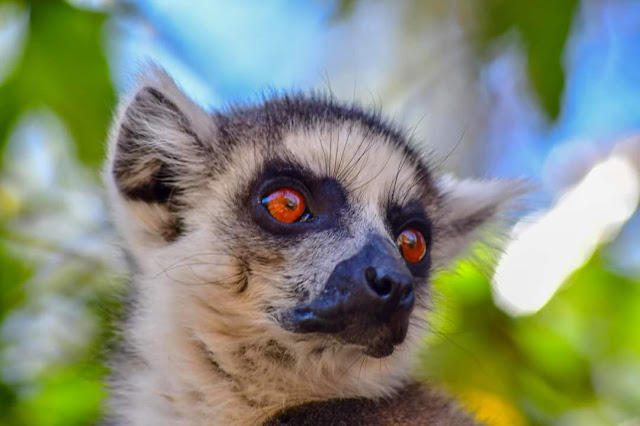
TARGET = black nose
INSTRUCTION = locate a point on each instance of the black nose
(367, 300)
(392, 290)
(375, 283)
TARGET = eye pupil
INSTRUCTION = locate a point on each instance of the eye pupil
(286, 205)
(412, 245)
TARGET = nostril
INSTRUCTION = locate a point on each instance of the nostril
(388, 286)
(383, 286)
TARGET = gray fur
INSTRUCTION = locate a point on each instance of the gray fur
(206, 345)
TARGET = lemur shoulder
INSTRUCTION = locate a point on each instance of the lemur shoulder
(282, 254)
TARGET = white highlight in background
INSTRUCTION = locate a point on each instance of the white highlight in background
(546, 248)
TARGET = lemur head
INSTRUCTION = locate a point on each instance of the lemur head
(299, 230)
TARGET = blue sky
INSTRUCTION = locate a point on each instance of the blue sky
(236, 49)
(222, 51)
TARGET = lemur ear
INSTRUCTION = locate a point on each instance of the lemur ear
(470, 206)
(158, 148)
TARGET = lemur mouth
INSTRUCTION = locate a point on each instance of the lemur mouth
(382, 343)
(379, 351)
(377, 336)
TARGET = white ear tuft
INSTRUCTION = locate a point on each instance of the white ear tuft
(470, 206)
(160, 145)
(156, 78)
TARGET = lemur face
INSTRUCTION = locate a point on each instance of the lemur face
(298, 221)
(349, 212)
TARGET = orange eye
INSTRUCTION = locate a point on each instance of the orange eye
(412, 245)
(285, 205)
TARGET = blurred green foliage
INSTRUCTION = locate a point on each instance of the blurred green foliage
(63, 67)
(69, 390)
(14, 274)
(560, 360)
(543, 27)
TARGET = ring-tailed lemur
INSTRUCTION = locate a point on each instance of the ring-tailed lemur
(282, 255)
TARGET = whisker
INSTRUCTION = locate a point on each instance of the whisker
(352, 364)
(364, 361)
(384, 166)
(344, 147)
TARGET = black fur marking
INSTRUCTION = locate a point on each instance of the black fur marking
(211, 358)
(141, 173)
(174, 229)
(318, 350)
(412, 215)
(247, 361)
(135, 152)
(245, 272)
(269, 121)
(272, 260)
(470, 223)
(298, 288)
(279, 354)
(183, 122)
(342, 412)
(308, 112)
(325, 198)
(243, 282)
(414, 405)
(156, 190)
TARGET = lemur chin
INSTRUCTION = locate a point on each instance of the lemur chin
(281, 261)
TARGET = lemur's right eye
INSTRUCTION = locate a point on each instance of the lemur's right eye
(286, 205)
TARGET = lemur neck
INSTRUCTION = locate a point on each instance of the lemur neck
(246, 384)
(257, 379)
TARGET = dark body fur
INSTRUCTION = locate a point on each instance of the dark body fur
(412, 403)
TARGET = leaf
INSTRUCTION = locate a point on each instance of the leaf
(63, 67)
(543, 27)
(9, 111)
(13, 274)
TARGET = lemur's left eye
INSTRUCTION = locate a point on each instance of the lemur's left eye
(286, 205)
(412, 245)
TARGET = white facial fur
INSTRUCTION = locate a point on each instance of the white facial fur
(204, 339)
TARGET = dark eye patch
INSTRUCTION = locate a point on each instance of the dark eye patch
(411, 215)
(324, 196)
